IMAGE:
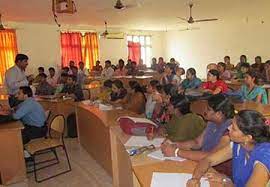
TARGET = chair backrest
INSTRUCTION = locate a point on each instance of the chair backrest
(48, 115)
(58, 124)
(86, 94)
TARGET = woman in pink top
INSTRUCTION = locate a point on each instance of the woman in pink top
(121, 70)
(224, 74)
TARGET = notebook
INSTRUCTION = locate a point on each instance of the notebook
(159, 155)
(140, 141)
(105, 107)
(173, 180)
(139, 120)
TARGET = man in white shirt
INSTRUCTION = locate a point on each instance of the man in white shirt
(15, 78)
(52, 78)
(108, 71)
(82, 74)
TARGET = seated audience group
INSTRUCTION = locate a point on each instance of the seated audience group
(219, 134)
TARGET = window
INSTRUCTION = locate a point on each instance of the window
(146, 47)
(8, 51)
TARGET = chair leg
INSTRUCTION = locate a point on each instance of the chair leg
(35, 169)
(55, 154)
(65, 150)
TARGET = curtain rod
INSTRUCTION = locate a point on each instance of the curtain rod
(76, 30)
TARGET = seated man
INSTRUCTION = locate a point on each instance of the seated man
(32, 115)
(72, 89)
(44, 88)
(38, 77)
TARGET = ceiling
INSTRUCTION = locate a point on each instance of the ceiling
(148, 15)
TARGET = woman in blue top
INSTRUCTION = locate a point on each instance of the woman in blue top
(250, 152)
(191, 81)
(250, 91)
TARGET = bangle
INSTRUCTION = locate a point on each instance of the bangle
(176, 152)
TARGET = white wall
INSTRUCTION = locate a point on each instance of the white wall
(213, 41)
(41, 42)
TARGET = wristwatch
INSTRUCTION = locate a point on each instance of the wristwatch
(176, 152)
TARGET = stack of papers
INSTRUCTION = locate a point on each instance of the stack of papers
(105, 107)
(159, 155)
(87, 102)
(173, 180)
(140, 141)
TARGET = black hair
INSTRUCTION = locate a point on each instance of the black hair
(243, 56)
(171, 66)
(252, 123)
(253, 74)
(27, 91)
(192, 71)
(41, 69)
(73, 77)
(154, 83)
(43, 75)
(167, 88)
(21, 57)
(245, 65)
(219, 103)
(222, 64)
(182, 103)
(71, 61)
(215, 73)
(108, 84)
(133, 62)
(97, 61)
(121, 61)
(51, 69)
(64, 75)
(118, 84)
(134, 85)
(228, 57)
(65, 68)
(267, 62)
(81, 62)
(108, 62)
(258, 57)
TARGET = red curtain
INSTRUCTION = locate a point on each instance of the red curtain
(8, 51)
(134, 51)
(71, 46)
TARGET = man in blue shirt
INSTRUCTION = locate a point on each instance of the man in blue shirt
(32, 115)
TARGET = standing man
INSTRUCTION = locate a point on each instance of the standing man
(15, 78)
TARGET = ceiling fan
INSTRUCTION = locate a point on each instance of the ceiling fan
(191, 20)
(119, 5)
(105, 33)
(189, 29)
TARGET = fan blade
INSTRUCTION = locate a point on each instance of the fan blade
(184, 19)
(203, 20)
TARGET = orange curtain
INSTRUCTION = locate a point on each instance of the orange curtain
(71, 48)
(8, 51)
(90, 49)
(134, 51)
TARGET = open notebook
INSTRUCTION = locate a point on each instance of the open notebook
(173, 180)
(140, 141)
(139, 120)
(159, 155)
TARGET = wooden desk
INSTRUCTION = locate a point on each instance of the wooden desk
(12, 164)
(137, 170)
(263, 109)
(93, 132)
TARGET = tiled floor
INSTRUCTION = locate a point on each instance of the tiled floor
(85, 171)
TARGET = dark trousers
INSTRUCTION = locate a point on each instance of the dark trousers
(31, 132)
(13, 101)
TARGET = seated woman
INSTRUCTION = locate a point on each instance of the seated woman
(214, 85)
(219, 114)
(224, 73)
(250, 151)
(177, 79)
(191, 81)
(121, 70)
(168, 75)
(153, 98)
(250, 91)
(105, 91)
(136, 100)
(118, 94)
(183, 125)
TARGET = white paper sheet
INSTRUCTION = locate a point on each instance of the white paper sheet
(139, 141)
(173, 180)
(159, 155)
(105, 107)
(140, 120)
